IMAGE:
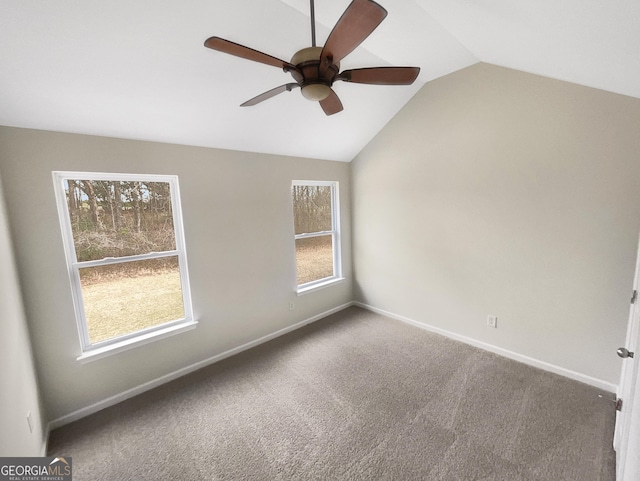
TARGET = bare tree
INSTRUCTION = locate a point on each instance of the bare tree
(135, 194)
(72, 201)
(117, 205)
(89, 190)
(312, 208)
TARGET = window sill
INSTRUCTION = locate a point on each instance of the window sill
(319, 285)
(101, 352)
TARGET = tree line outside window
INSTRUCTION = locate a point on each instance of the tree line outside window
(312, 209)
(119, 218)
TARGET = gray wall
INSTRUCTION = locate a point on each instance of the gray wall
(499, 192)
(18, 384)
(239, 232)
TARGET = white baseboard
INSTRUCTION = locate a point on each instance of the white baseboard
(576, 376)
(45, 443)
(110, 401)
(129, 393)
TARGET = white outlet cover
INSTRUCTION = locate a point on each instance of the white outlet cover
(30, 421)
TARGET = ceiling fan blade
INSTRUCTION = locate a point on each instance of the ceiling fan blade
(269, 93)
(331, 105)
(357, 22)
(381, 75)
(232, 48)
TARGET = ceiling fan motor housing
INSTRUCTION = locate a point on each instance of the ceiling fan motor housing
(315, 81)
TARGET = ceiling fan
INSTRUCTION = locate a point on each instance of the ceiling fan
(315, 69)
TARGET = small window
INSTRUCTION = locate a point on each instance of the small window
(126, 257)
(317, 233)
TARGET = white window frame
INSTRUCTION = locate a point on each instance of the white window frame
(335, 237)
(91, 351)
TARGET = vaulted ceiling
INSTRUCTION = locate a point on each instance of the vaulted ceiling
(139, 70)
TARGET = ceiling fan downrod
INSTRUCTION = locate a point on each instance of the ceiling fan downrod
(313, 24)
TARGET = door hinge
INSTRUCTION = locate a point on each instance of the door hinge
(634, 297)
(618, 404)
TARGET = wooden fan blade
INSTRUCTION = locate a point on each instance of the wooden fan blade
(331, 105)
(232, 48)
(381, 75)
(357, 22)
(269, 93)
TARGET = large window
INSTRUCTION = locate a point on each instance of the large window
(126, 257)
(317, 239)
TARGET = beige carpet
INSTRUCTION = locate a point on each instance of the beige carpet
(355, 396)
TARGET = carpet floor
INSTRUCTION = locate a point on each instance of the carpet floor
(355, 396)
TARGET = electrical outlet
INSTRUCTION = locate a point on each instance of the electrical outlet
(492, 321)
(292, 306)
(30, 421)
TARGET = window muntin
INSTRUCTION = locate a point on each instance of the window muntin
(316, 232)
(125, 253)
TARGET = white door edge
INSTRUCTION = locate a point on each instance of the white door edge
(626, 430)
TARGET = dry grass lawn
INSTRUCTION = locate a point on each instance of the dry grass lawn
(115, 307)
(314, 259)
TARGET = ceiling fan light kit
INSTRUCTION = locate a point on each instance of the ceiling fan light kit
(315, 69)
(316, 92)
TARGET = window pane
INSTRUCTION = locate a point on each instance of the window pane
(312, 208)
(314, 258)
(119, 218)
(120, 299)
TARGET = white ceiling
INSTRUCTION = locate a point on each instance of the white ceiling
(139, 70)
